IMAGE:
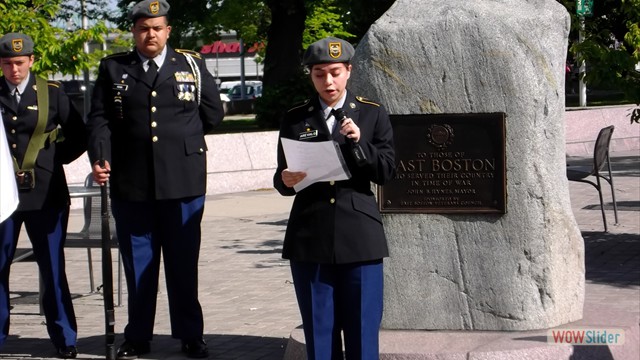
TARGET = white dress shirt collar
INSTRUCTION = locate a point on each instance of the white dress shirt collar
(159, 59)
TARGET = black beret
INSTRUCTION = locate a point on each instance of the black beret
(149, 9)
(15, 44)
(328, 50)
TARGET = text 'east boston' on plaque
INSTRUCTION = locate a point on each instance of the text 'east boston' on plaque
(447, 163)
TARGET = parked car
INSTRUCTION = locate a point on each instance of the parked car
(225, 86)
(251, 91)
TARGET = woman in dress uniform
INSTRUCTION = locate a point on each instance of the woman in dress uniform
(335, 240)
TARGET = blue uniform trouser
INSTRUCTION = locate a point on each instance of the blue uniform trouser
(335, 297)
(146, 230)
(47, 230)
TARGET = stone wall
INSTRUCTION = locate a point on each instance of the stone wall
(583, 124)
(235, 162)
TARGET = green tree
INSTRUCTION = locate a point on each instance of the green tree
(57, 50)
(611, 46)
(249, 19)
(286, 27)
(294, 25)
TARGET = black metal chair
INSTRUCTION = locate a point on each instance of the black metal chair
(600, 159)
(90, 236)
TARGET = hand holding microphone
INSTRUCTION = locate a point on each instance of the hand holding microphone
(356, 149)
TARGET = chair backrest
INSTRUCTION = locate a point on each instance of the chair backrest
(601, 149)
(86, 205)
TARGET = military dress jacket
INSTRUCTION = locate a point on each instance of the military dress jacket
(338, 222)
(152, 134)
(50, 188)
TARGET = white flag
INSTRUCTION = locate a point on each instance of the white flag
(8, 189)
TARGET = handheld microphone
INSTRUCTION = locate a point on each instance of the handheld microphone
(356, 149)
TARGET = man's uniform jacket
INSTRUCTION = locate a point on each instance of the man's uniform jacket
(153, 134)
(338, 222)
(50, 182)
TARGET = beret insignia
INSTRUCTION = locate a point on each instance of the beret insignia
(335, 49)
(16, 45)
(154, 7)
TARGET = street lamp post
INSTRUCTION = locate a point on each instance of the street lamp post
(582, 87)
(243, 92)
(583, 8)
(87, 88)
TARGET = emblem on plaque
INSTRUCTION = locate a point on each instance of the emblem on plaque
(440, 135)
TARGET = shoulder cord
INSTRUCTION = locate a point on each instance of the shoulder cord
(196, 71)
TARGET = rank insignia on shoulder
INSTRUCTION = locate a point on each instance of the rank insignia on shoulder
(195, 54)
(308, 134)
(366, 101)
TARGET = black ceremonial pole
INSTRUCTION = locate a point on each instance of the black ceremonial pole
(107, 275)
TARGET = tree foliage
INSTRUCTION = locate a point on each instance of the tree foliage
(611, 46)
(249, 19)
(294, 25)
(57, 50)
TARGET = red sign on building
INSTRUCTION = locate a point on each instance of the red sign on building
(228, 49)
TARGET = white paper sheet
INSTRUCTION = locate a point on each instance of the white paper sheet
(322, 161)
(8, 188)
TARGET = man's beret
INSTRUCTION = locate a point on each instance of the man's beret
(328, 50)
(15, 44)
(149, 9)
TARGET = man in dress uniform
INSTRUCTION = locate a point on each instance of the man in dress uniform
(150, 111)
(44, 131)
(335, 240)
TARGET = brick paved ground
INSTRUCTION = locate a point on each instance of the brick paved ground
(246, 289)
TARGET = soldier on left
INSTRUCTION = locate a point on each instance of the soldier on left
(44, 131)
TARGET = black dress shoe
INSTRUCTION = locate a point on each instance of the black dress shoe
(196, 348)
(131, 350)
(67, 352)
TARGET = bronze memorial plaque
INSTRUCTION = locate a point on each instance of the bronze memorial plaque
(447, 163)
